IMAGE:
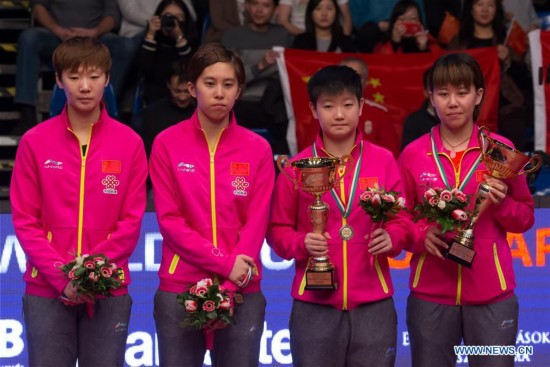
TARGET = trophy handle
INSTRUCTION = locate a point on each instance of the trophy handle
(482, 135)
(346, 158)
(535, 161)
(282, 163)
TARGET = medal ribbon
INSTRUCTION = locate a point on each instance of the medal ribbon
(345, 210)
(442, 172)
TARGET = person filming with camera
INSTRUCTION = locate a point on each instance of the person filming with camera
(170, 36)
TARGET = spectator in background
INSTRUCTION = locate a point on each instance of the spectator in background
(371, 19)
(171, 36)
(167, 111)
(262, 103)
(56, 21)
(438, 15)
(376, 123)
(420, 122)
(484, 25)
(406, 33)
(323, 30)
(292, 15)
(224, 15)
(523, 12)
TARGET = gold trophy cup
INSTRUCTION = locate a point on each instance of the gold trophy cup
(316, 175)
(503, 162)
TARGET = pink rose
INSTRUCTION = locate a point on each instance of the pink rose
(376, 200)
(460, 196)
(460, 215)
(99, 260)
(201, 291)
(190, 306)
(93, 277)
(430, 193)
(221, 288)
(446, 196)
(366, 196)
(89, 264)
(224, 305)
(441, 205)
(433, 201)
(388, 198)
(193, 290)
(106, 272)
(205, 283)
(401, 201)
(209, 306)
(113, 266)
(71, 274)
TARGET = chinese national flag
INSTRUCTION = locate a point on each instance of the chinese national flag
(394, 81)
(517, 39)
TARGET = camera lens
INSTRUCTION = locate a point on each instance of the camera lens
(167, 23)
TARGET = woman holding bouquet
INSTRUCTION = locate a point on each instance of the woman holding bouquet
(212, 183)
(78, 187)
(356, 323)
(450, 303)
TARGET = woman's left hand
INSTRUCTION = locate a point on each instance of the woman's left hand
(380, 242)
(499, 189)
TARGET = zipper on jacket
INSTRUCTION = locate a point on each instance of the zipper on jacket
(83, 155)
(459, 285)
(344, 246)
(212, 153)
(499, 268)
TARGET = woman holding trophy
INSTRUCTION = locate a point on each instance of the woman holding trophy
(351, 319)
(468, 301)
(212, 183)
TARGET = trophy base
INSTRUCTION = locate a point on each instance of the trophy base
(320, 280)
(460, 254)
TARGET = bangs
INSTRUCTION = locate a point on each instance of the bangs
(454, 74)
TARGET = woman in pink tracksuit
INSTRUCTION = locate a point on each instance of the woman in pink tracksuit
(355, 324)
(78, 187)
(450, 303)
(212, 184)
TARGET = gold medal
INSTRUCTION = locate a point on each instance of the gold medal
(346, 233)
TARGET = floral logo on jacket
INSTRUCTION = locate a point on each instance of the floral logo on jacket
(240, 185)
(110, 182)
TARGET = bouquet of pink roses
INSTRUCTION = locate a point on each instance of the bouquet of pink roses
(379, 204)
(446, 207)
(207, 305)
(92, 274)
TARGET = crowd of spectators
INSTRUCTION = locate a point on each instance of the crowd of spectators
(152, 40)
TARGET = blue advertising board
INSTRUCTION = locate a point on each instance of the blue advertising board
(531, 252)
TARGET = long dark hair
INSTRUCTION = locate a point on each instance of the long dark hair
(190, 30)
(466, 34)
(335, 29)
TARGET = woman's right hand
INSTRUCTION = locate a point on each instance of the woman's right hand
(154, 27)
(241, 268)
(316, 244)
(398, 31)
(434, 242)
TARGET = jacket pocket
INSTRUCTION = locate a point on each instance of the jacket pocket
(418, 270)
(499, 268)
(173, 264)
(34, 272)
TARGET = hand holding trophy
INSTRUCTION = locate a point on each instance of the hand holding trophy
(317, 175)
(502, 162)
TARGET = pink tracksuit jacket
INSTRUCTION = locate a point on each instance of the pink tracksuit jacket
(65, 202)
(491, 277)
(212, 203)
(361, 277)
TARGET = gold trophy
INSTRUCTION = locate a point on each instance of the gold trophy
(503, 162)
(316, 175)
